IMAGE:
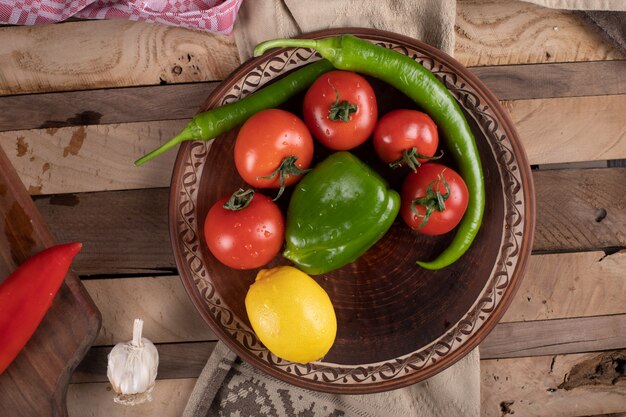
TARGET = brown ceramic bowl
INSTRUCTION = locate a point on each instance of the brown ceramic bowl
(397, 323)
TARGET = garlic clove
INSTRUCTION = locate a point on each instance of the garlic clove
(132, 368)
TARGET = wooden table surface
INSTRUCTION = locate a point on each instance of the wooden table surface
(81, 100)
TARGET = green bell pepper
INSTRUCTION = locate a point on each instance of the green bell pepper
(336, 213)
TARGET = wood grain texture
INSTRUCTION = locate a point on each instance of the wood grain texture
(109, 53)
(559, 336)
(161, 302)
(555, 286)
(580, 209)
(573, 79)
(616, 163)
(531, 387)
(125, 232)
(524, 386)
(493, 32)
(527, 387)
(92, 158)
(86, 55)
(609, 415)
(182, 101)
(176, 360)
(567, 130)
(99, 158)
(575, 165)
(558, 286)
(96, 400)
(565, 285)
(36, 381)
(103, 106)
(507, 340)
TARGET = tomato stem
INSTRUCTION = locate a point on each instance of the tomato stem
(433, 200)
(239, 200)
(286, 168)
(411, 158)
(341, 110)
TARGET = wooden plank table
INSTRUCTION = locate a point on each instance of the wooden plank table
(81, 100)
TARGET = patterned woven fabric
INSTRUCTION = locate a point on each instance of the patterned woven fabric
(217, 16)
(229, 387)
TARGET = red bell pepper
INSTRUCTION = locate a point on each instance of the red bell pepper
(27, 294)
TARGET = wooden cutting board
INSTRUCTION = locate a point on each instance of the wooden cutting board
(35, 384)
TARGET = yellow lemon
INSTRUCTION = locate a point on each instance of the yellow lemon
(291, 314)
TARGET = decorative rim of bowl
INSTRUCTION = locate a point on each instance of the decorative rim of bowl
(463, 336)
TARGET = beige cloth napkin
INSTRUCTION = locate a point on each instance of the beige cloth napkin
(230, 387)
(431, 21)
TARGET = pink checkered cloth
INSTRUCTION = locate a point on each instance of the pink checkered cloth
(217, 16)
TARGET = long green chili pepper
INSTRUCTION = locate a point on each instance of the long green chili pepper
(350, 53)
(212, 123)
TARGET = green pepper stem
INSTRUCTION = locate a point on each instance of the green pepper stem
(188, 133)
(280, 43)
(329, 48)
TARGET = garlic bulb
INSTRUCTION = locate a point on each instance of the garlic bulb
(132, 368)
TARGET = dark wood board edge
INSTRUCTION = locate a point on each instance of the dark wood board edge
(45, 365)
(176, 360)
(181, 101)
(507, 340)
(555, 337)
(554, 80)
(103, 106)
(132, 237)
(62, 211)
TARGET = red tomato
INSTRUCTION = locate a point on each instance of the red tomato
(399, 131)
(340, 110)
(419, 199)
(263, 143)
(246, 238)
